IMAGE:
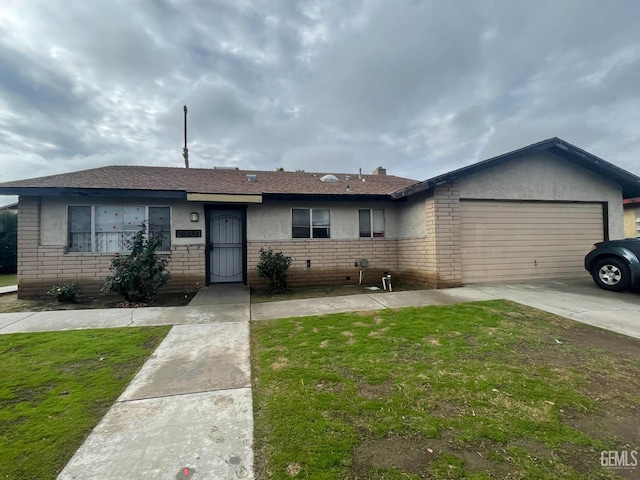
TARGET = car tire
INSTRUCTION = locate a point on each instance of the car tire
(611, 274)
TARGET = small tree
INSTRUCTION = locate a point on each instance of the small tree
(8, 242)
(138, 275)
(274, 266)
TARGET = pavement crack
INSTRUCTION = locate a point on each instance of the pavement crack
(19, 320)
(377, 301)
(185, 394)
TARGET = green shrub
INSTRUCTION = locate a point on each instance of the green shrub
(274, 266)
(139, 274)
(67, 293)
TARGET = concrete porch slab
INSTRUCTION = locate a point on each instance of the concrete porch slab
(190, 315)
(220, 294)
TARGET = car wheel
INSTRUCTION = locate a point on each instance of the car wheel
(611, 274)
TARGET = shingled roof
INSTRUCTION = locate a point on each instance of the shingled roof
(205, 180)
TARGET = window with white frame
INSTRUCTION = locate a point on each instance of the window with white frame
(371, 222)
(110, 228)
(310, 223)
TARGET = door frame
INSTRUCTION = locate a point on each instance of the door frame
(208, 211)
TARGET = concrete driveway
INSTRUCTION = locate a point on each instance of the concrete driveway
(578, 299)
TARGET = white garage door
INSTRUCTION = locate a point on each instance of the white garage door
(503, 241)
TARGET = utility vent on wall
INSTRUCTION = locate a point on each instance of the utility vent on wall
(329, 179)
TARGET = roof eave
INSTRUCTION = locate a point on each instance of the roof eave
(353, 197)
(90, 192)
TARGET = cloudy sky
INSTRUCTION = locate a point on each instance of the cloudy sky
(419, 87)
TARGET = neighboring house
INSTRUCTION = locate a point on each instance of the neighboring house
(12, 207)
(529, 214)
(631, 208)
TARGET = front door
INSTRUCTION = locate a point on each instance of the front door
(226, 262)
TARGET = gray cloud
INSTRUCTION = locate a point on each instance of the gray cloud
(420, 87)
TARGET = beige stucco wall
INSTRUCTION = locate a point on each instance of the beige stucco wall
(630, 224)
(271, 221)
(411, 217)
(545, 176)
(53, 215)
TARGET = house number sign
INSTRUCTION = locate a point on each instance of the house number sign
(188, 233)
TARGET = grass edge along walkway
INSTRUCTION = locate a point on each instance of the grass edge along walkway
(57, 386)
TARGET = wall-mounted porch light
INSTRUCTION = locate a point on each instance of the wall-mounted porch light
(195, 216)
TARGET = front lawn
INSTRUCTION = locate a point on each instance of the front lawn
(477, 390)
(56, 387)
(8, 279)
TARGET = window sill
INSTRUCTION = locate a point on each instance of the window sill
(309, 239)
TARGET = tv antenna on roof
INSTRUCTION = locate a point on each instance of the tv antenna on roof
(185, 150)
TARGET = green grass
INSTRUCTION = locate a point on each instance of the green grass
(477, 390)
(56, 387)
(7, 279)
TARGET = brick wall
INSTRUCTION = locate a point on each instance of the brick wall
(443, 257)
(332, 261)
(412, 260)
(41, 267)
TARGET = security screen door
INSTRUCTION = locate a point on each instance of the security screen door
(226, 261)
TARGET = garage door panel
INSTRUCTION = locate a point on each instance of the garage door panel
(523, 234)
(529, 253)
(540, 216)
(502, 241)
(513, 261)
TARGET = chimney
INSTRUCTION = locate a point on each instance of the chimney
(380, 171)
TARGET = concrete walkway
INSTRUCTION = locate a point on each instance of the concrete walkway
(577, 299)
(188, 412)
(9, 289)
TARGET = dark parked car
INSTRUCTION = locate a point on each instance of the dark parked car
(615, 265)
